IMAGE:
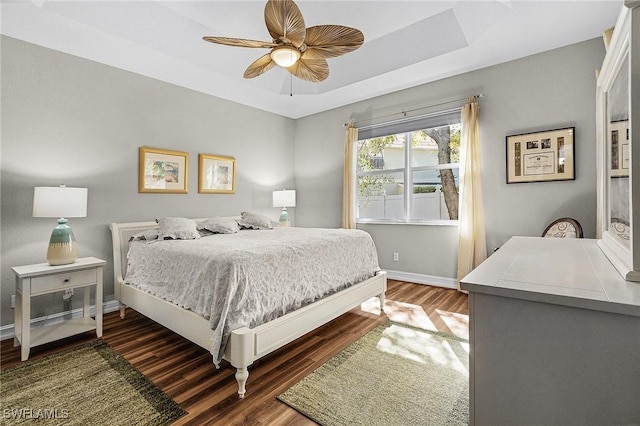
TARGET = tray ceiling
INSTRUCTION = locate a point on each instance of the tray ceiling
(407, 43)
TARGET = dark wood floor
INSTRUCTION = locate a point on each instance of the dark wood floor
(185, 372)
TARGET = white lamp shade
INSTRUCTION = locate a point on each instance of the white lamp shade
(285, 56)
(59, 202)
(284, 198)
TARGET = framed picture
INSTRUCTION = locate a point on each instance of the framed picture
(216, 174)
(163, 171)
(619, 143)
(541, 156)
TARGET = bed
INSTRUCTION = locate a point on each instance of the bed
(242, 338)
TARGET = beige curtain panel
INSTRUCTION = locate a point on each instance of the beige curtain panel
(472, 244)
(348, 180)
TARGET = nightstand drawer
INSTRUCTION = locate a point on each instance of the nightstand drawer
(63, 280)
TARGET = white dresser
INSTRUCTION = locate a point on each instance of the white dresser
(555, 336)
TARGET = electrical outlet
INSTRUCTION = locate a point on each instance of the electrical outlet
(13, 301)
(67, 294)
(396, 257)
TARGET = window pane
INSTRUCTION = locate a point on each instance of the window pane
(384, 153)
(381, 165)
(435, 194)
(381, 196)
(436, 145)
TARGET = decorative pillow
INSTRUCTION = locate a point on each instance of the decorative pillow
(219, 225)
(149, 234)
(250, 220)
(204, 232)
(177, 228)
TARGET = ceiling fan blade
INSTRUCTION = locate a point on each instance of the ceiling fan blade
(261, 65)
(329, 41)
(240, 42)
(313, 70)
(284, 20)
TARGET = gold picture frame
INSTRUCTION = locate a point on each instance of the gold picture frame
(541, 156)
(216, 174)
(163, 171)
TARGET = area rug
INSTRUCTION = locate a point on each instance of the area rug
(394, 375)
(87, 385)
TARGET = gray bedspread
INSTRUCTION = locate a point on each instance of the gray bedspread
(253, 276)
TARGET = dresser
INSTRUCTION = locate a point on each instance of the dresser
(555, 336)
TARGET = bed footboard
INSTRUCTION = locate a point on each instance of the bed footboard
(247, 345)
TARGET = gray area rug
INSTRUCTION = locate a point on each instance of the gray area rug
(87, 385)
(394, 375)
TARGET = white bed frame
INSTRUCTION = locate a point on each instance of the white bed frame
(245, 345)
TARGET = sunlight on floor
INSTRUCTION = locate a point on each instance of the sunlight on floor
(424, 347)
(457, 323)
(406, 313)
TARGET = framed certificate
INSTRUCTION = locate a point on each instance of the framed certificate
(541, 156)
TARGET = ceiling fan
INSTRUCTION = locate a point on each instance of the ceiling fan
(302, 51)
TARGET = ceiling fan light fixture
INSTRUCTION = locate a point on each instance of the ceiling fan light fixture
(285, 56)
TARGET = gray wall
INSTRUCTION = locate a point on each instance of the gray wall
(69, 120)
(73, 121)
(546, 91)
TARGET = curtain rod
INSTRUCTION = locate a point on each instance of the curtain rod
(404, 113)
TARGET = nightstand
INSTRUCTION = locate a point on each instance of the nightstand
(42, 278)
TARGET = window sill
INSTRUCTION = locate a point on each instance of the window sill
(402, 222)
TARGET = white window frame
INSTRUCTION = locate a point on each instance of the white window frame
(407, 171)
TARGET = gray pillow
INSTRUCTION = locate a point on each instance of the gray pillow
(220, 225)
(250, 220)
(177, 228)
(149, 234)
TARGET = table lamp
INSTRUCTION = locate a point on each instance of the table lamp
(60, 202)
(284, 199)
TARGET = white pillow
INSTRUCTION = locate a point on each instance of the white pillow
(177, 228)
(220, 225)
(250, 220)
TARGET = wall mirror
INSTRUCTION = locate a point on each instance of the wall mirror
(618, 150)
(616, 110)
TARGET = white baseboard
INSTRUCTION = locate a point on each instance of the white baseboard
(8, 331)
(423, 279)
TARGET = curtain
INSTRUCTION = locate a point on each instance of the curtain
(472, 245)
(348, 180)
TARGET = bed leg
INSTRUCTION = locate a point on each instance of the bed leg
(381, 296)
(242, 374)
(122, 308)
(239, 352)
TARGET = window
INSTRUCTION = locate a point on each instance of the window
(408, 171)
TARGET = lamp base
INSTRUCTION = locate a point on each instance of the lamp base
(284, 217)
(62, 245)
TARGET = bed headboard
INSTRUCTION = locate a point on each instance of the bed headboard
(121, 233)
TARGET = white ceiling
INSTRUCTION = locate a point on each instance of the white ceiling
(407, 43)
